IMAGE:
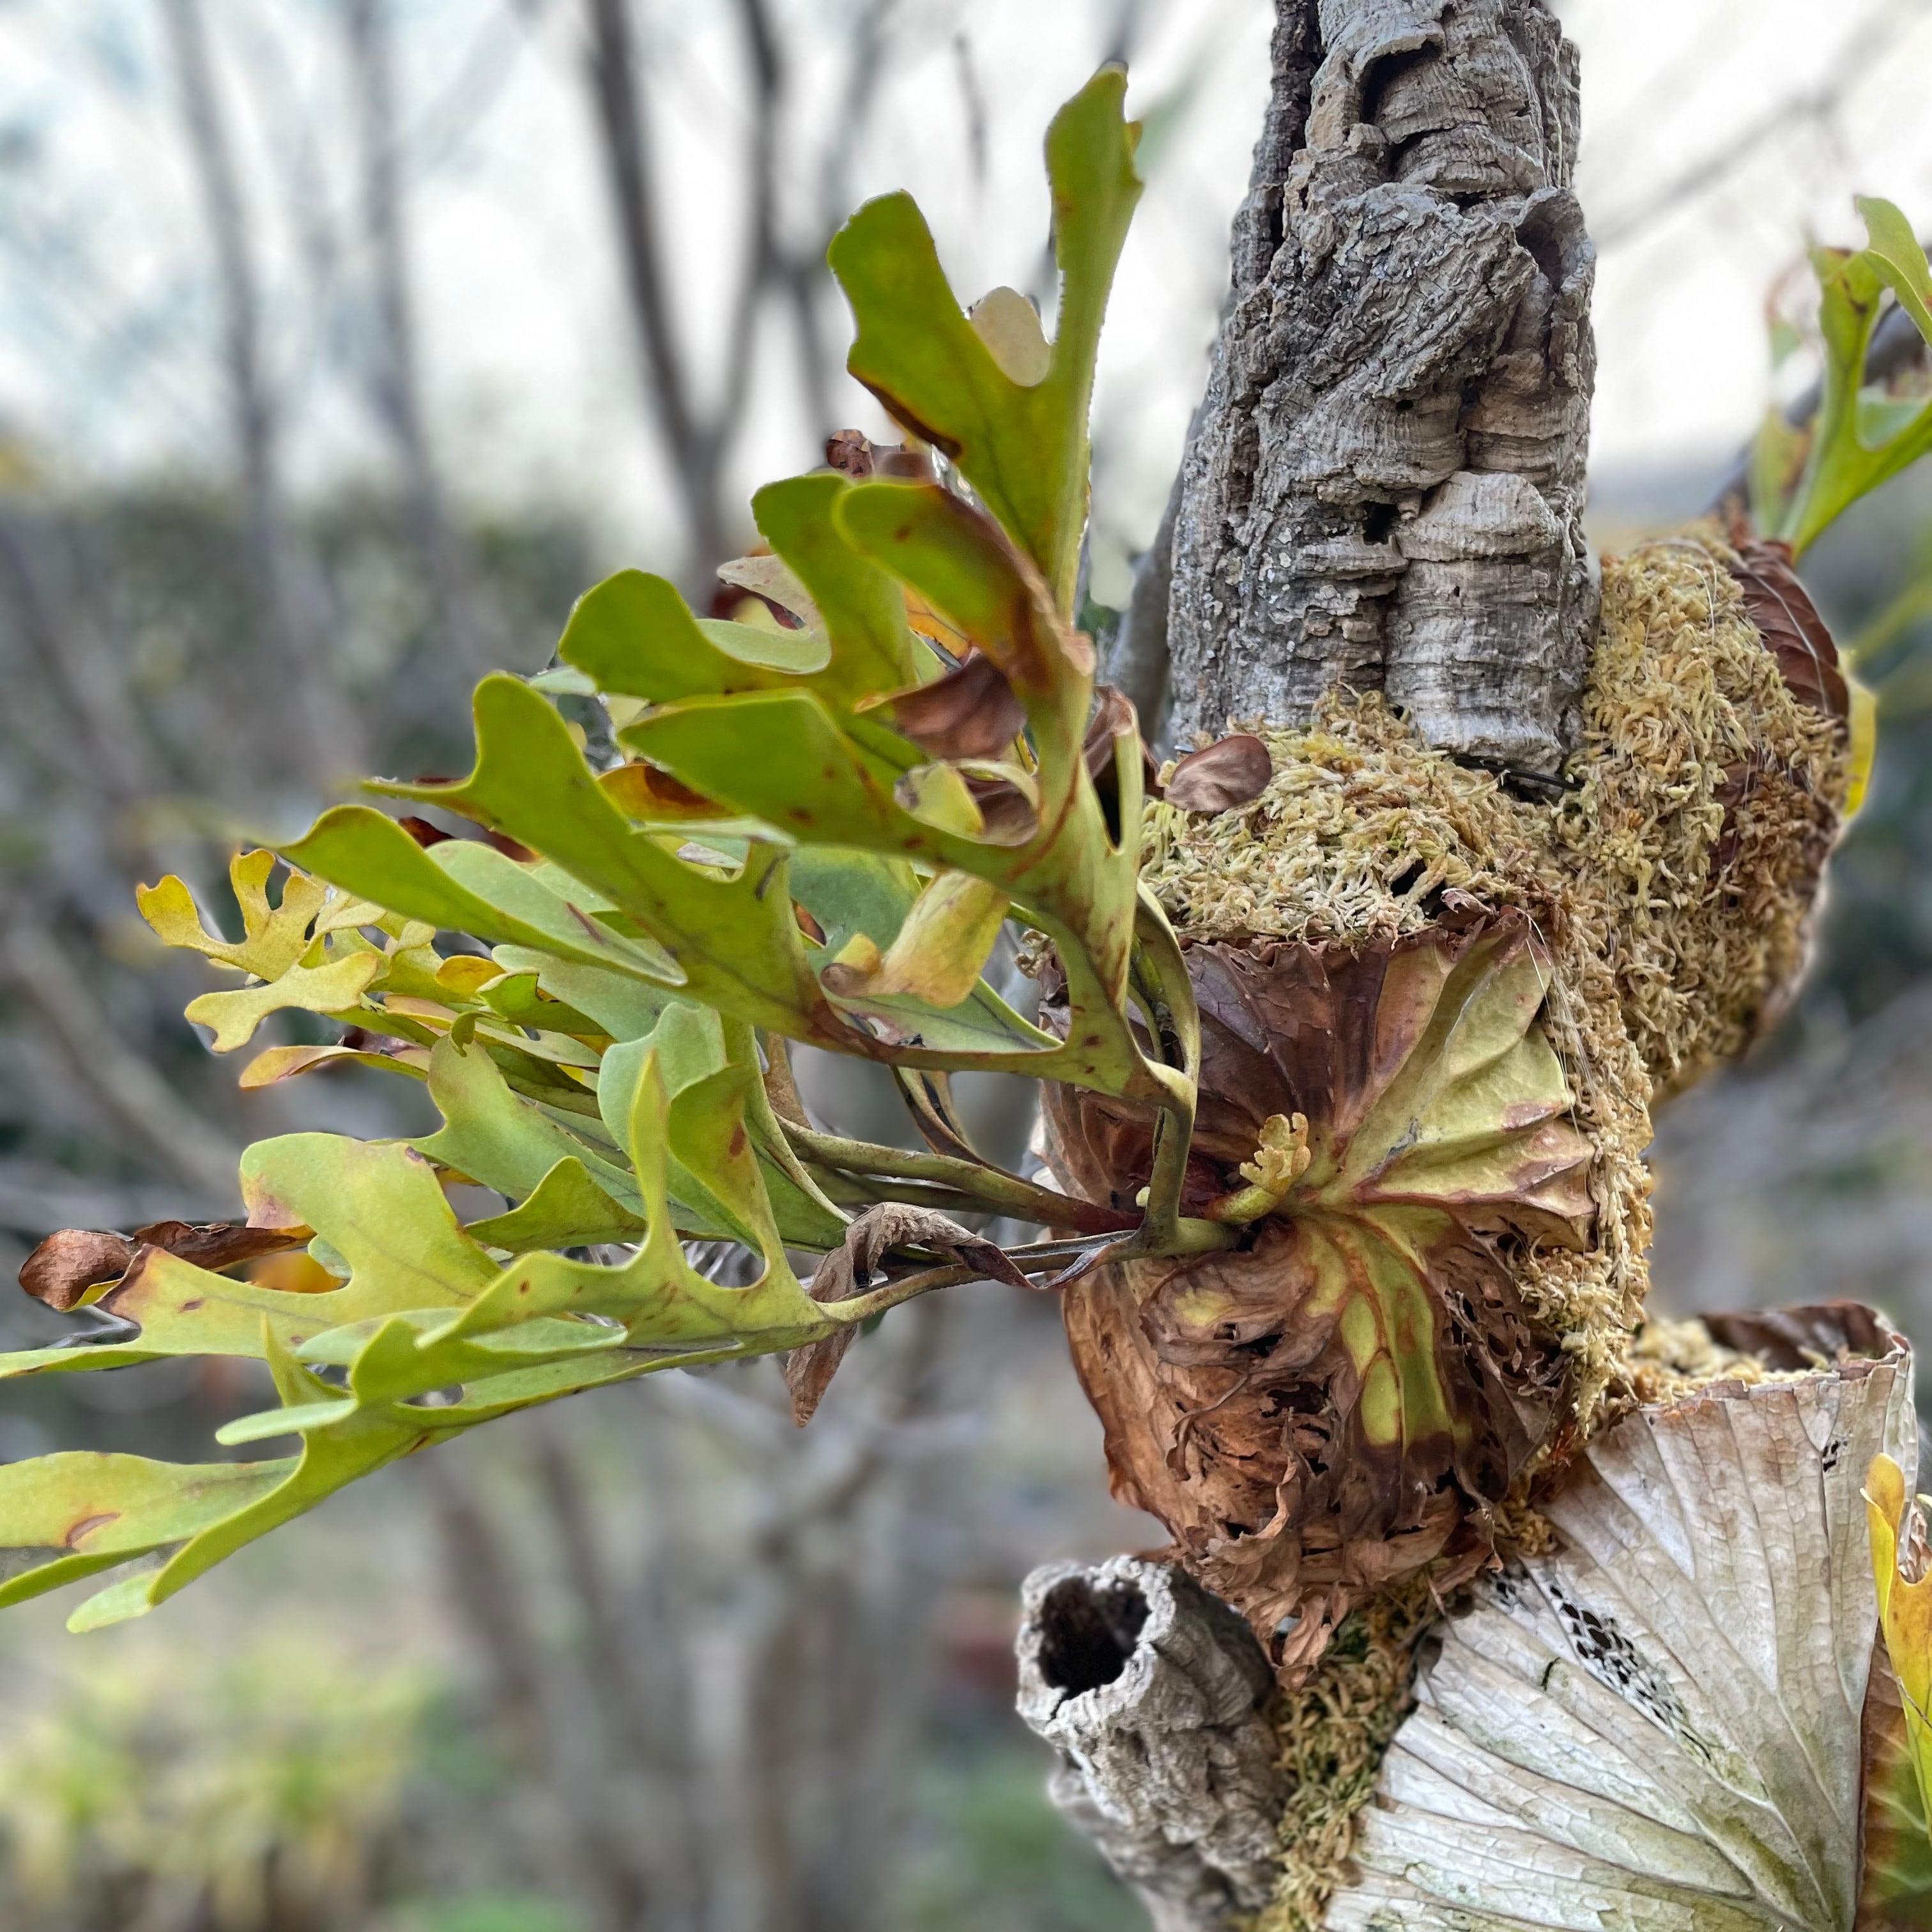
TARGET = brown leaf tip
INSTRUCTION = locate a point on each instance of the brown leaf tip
(1231, 772)
(61, 1269)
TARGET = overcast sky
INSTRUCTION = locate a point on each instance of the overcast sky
(1716, 134)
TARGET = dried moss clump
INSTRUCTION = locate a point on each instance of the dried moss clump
(1670, 890)
(1711, 795)
(1334, 1731)
(1365, 833)
(1667, 1360)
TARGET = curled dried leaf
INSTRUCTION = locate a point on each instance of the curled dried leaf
(1338, 1404)
(61, 1269)
(1233, 772)
(1792, 631)
(848, 1271)
(852, 454)
(970, 713)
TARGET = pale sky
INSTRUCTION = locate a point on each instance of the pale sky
(1766, 115)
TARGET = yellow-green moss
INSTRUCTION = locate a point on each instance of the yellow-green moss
(1671, 889)
(1333, 1732)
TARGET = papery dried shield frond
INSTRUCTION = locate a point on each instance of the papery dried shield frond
(1657, 1725)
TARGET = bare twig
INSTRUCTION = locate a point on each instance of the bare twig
(154, 1116)
(328, 735)
(1817, 102)
(395, 381)
(695, 441)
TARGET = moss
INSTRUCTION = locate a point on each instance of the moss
(1363, 832)
(1333, 1732)
(1667, 1360)
(1671, 890)
(1710, 796)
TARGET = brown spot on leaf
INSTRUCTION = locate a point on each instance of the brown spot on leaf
(647, 791)
(1233, 772)
(88, 1525)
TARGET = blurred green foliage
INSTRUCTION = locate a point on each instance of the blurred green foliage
(988, 1850)
(228, 1789)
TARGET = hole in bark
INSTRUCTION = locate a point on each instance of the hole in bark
(1087, 1635)
(1378, 519)
(1384, 73)
(1545, 245)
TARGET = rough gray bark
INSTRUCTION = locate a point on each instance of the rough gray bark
(1151, 1690)
(1384, 485)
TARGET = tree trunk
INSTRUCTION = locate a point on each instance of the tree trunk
(325, 737)
(1382, 491)
(1384, 485)
(1436, 1007)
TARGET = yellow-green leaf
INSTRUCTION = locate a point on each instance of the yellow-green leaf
(273, 937)
(332, 988)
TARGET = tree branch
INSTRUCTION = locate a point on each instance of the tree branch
(1152, 1692)
(153, 1115)
(328, 737)
(395, 379)
(610, 66)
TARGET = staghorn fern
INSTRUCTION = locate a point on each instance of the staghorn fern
(818, 834)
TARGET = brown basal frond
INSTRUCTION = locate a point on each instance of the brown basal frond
(1339, 1402)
